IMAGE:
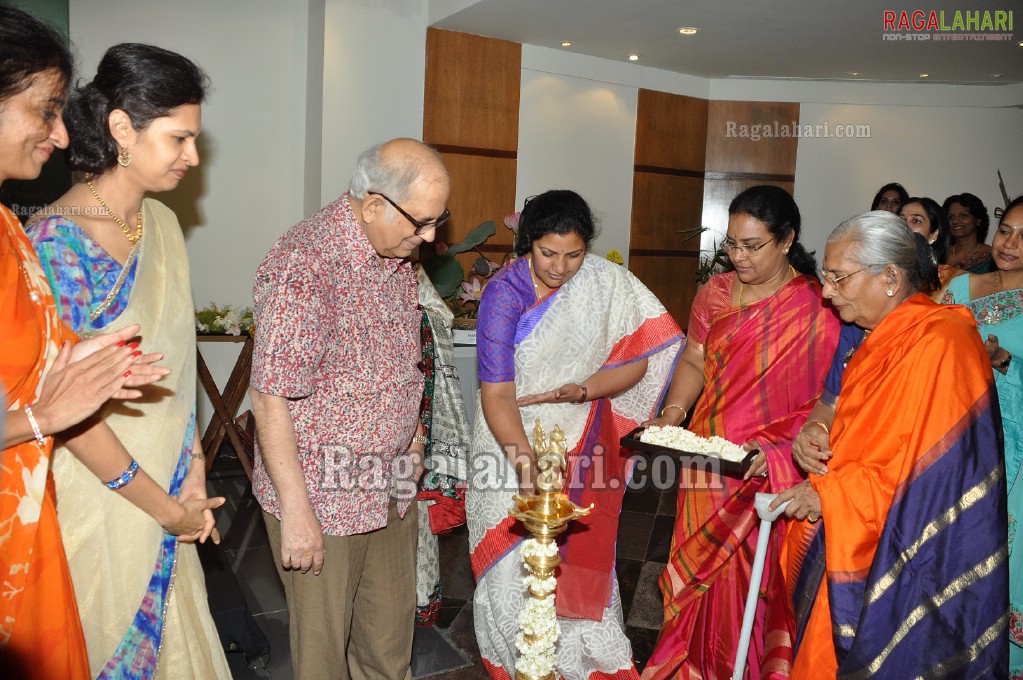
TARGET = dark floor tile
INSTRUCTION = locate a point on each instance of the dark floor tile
(643, 499)
(660, 538)
(647, 605)
(634, 534)
(449, 609)
(456, 570)
(669, 499)
(278, 662)
(258, 579)
(627, 572)
(242, 527)
(643, 640)
(462, 636)
(432, 654)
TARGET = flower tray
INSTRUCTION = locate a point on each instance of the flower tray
(691, 459)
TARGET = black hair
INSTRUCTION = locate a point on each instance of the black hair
(939, 222)
(29, 47)
(976, 208)
(144, 81)
(776, 208)
(891, 186)
(1013, 204)
(558, 211)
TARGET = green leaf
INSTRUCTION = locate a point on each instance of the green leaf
(445, 272)
(473, 239)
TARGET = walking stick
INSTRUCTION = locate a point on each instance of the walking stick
(767, 517)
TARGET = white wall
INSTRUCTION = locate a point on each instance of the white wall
(569, 130)
(373, 81)
(932, 151)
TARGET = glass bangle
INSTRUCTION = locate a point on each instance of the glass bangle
(126, 476)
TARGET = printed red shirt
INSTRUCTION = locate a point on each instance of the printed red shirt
(339, 337)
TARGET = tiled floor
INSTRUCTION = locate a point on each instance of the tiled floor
(449, 649)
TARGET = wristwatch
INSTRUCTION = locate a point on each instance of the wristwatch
(420, 439)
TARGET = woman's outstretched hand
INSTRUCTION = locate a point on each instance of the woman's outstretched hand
(570, 393)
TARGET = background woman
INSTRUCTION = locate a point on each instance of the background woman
(969, 223)
(40, 632)
(905, 576)
(133, 131)
(759, 343)
(996, 301)
(890, 197)
(574, 340)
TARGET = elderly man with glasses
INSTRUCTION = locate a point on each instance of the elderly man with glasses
(336, 390)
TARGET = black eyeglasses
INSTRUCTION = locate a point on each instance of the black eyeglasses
(731, 247)
(420, 226)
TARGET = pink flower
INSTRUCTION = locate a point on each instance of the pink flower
(512, 222)
(472, 291)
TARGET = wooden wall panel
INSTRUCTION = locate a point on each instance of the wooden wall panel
(671, 279)
(471, 115)
(670, 131)
(718, 194)
(662, 206)
(765, 156)
(472, 91)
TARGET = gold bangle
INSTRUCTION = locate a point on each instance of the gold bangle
(684, 412)
(821, 423)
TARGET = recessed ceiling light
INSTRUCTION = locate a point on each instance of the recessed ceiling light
(924, 75)
(633, 57)
(688, 30)
(566, 43)
(996, 75)
(852, 73)
(1021, 43)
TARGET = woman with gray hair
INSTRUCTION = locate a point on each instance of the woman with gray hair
(904, 534)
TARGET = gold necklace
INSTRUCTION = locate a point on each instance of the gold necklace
(953, 254)
(124, 227)
(783, 282)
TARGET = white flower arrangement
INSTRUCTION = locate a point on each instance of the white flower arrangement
(227, 320)
(538, 620)
(684, 440)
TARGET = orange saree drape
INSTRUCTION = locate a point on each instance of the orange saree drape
(764, 371)
(906, 574)
(40, 632)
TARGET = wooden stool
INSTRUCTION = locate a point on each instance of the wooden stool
(226, 403)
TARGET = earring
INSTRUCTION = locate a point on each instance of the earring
(931, 240)
(889, 292)
(124, 158)
(786, 251)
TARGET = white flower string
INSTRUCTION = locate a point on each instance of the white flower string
(538, 621)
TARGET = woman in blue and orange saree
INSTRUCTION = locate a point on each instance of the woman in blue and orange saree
(760, 341)
(898, 567)
(576, 341)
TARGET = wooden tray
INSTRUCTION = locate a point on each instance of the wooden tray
(726, 468)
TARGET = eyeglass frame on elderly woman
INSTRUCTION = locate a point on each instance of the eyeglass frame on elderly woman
(827, 278)
(420, 226)
(732, 247)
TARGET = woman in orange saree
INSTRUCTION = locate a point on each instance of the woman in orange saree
(765, 340)
(47, 386)
(906, 575)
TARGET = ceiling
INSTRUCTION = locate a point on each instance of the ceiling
(790, 39)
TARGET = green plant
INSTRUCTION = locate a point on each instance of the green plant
(711, 261)
(444, 269)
